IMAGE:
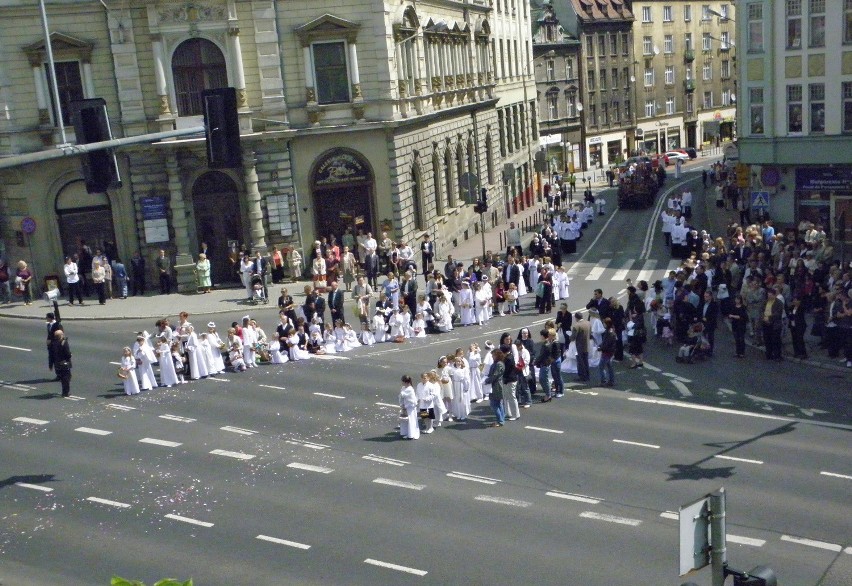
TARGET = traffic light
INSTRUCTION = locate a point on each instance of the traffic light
(91, 124)
(481, 205)
(222, 128)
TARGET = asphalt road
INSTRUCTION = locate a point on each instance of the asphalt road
(294, 474)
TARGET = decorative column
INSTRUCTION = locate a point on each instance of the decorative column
(184, 264)
(41, 96)
(160, 74)
(356, 76)
(310, 93)
(88, 80)
(237, 64)
(255, 212)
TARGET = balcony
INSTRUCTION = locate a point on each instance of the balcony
(689, 85)
(689, 56)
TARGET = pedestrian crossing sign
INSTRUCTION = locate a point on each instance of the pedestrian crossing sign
(760, 200)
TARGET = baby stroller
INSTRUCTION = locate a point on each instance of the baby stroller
(258, 288)
(696, 348)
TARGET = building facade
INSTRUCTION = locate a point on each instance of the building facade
(795, 117)
(373, 116)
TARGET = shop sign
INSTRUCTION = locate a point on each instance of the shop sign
(340, 168)
(595, 140)
(824, 179)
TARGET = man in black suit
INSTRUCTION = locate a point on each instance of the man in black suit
(408, 291)
(335, 303)
(137, 268)
(708, 312)
(53, 325)
(599, 302)
(511, 273)
(427, 253)
(371, 267)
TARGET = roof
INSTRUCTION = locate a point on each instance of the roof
(602, 10)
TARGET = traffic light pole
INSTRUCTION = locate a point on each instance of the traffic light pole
(482, 233)
(718, 552)
(81, 149)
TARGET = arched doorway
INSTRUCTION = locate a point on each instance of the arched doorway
(218, 221)
(342, 187)
(84, 217)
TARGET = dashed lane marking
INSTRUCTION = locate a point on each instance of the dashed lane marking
(177, 418)
(397, 483)
(15, 348)
(159, 442)
(116, 363)
(219, 380)
(746, 460)
(396, 567)
(189, 520)
(34, 486)
(639, 444)
(383, 460)
(652, 385)
(503, 501)
(706, 408)
(329, 357)
(391, 405)
(110, 503)
(681, 388)
(238, 430)
(329, 396)
(836, 475)
(236, 455)
(93, 431)
(534, 428)
(611, 518)
(812, 543)
(670, 515)
(472, 477)
(573, 497)
(273, 387)
(310, 467)
(31, 420)
(651, 367)
(74, 398)
(121, 407)
(305, 444)
(745, 540)
(295, 544)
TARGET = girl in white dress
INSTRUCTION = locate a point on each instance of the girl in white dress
(145, 356)
(367, 338)
(329, 340)
(168, 376)
(195, 353)
(460, 403)
(408, 402)
(533, 265)
(298, 351)
(446, 389)
(246, 270)
(397, 325)
(466, 304)
(350, 338)
(482, 298)
(379, 327)
(443, 313)
(206, 353)
(249, 339)
(424, 400)
(435, 388)
(216, 346)
(277, 354)
(425, 311)
(339, 336)
(487, 361)
(418, 327)
(474, 359)
(128, 368)
(405, 316)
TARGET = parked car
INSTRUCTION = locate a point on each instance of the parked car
(675, 155)
(689, 151)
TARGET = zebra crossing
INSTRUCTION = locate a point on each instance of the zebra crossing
(636, 270)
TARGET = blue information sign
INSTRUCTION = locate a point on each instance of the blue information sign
(154, 208)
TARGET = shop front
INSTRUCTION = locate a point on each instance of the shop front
(824, 196)
(605, 149)
(661, 135)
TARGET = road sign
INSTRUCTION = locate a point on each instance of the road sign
(742, 175)
(694, 535)
(28, 225)
(760, 200)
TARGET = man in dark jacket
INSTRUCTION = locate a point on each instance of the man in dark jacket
(371, 267)
(53, 325)
(708, 312)
(599, 302)
(60, 358)
(335, 303)
(137, 269)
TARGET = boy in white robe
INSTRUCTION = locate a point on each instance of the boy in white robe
(460, 402)
(408, 402)
(466, 305)
(168, 376)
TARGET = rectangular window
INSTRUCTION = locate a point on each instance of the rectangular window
(706, 72)
(627, 112)
(668, 44)
(602, 45)
(603, 79)
(69, 83)
(670, 105)
(646, 14)
(667, 14)
(649, 76)
(706, 42)
(725, 41)
(605, 114)
(723, 10)
(625, 75)
(616, 112)
(590, 46)
(553, 106)
(615, 78)
(847, 21)
(551, 69)
(687, 13)
(816, 93)
(593, 115)
(726, 97)
(708, 100)
(650, 109)
(725, 70)
(625, 44)
(817, 23)
(571, 101)
(647, 45)
(847, 106)
(569, 69)
(755, 98)
(705, 12)
(670, 75)
(590, 85)
(613, 44)
(794, 108)
(690, 104)
(755, 27)
(687, 42)
(794, 24)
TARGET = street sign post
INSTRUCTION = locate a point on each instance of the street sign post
(28, 226)
(694, 535)
(760, 200)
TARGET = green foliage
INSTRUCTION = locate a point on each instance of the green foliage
(116, 581)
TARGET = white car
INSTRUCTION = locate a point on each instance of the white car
(675, 155)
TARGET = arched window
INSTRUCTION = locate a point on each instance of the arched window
(197, 65)
(489, 154)
(437, 177)
(460, 170)
(448, 177)
(417, 197)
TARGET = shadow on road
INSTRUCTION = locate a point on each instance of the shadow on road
(29, 479)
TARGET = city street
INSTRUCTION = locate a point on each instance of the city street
(295, 474)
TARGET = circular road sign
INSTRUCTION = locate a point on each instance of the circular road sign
(28, 225)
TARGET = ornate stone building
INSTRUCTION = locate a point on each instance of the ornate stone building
(371, 115)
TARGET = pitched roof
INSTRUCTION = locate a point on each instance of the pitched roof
(602, 10)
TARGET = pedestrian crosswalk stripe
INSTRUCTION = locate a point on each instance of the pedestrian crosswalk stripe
(647, 270)
(599, 269)
(673, 266)
(621, 273)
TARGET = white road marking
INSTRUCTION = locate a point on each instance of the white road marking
(329, 396)
(383, 460)
(310, 467)
(745, 540)
(596, 272)
(647, 271)
(503, 501)
(399, 484)
(116, 363)
(621, 273)
(673, 266)
(188, 520)
(16, 386)
(746, 460)
(116, 504)
(579, 392)
(273, 387)
(237, 455)
(305, 444)
(848, 550)
(93, 431)
(652, 385)
(31, 420)
(726, 391)
(573, 497)
(238, 430)
(74, 398)
(641, 445)
(283, 542)
(812, 543)
(611, 518)
(706, 408)
(670, 515)
(681, 388)
(651, 367)
(391, 405)
(835, 475)
(757, 399)
(219, 380)
(15, 348)
(472, 477)
(177, 418)
(34, 486)
(121, 407)
(159, 442)
(534, 428)
(329, 357)
(399, 568)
